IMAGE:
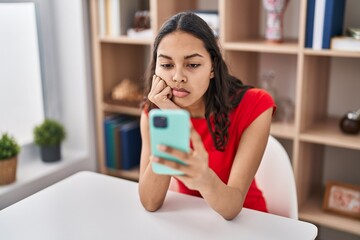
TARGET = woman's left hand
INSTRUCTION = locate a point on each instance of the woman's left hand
(196, 171)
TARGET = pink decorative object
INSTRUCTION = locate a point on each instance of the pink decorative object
(274, 23)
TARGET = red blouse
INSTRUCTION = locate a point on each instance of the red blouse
(254, 102)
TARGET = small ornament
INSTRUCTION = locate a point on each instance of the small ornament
(274, 23)
(127, 90)
(350, 122)
(267, 83)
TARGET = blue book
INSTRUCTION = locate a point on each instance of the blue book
(333, 21)
(130, 144)
(310, 13)
(107, 139)
(110, 124)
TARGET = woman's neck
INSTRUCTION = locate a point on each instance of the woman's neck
(197, 110)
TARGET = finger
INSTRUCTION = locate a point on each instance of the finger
(181, 155)
(156, 88)
(167, 91)
(162, 91)
(173, 164)
(160, 85)
(155, 80)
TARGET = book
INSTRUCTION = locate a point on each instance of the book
(333, 21)
(108, 140)
(319, 17)
(345, 44)
(111, 124)
(108, 17)
(310, 12)
(102, 17)
(130, 144)
(114, 17)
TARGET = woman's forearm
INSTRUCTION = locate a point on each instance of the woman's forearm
(153, 189)
(225, 200)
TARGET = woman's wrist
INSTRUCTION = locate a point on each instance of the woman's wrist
(208, 183)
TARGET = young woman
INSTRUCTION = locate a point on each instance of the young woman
(230, 121)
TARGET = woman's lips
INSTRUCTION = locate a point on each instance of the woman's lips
(180, 92)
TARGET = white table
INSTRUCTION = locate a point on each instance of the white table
(89, 205)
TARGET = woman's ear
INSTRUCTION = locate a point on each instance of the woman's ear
(212, 74)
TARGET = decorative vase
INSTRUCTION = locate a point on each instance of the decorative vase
(350, 122)
(274, 23)
(8, 170)
(50, 153)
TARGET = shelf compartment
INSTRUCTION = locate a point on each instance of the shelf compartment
(312, 211)
(235, 13)
(328, 132)
(289, 46)
(115, 65)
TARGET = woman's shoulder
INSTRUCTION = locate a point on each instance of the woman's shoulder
(254, 102)
(255, 99)
(257, 93)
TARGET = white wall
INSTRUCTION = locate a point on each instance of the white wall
(64, 39)
(73, 71)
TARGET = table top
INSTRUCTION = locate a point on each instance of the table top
(90, 205)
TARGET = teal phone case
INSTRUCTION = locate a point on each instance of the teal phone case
(175, 134)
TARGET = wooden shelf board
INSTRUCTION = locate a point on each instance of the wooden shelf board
(283, 130)
(132, 174)
(125, 40)
(260, 45)
(331, 53)
(329, 133)
(312, 211)
(127, 109)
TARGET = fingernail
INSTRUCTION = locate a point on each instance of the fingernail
(161, 147)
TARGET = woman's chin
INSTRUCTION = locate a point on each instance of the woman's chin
(179, 102)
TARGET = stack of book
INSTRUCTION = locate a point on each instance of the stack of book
(351, 42)
(122, 142)
(324, 20)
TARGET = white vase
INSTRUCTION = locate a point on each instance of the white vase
(274, 22)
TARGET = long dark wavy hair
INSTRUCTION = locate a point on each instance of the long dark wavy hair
(224, 92)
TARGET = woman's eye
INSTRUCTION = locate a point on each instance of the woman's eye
(194, 65)
(166, 65)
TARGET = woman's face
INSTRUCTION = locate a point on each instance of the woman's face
(186, 67)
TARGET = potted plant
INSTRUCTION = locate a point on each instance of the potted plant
(49, 136)
(9, 150)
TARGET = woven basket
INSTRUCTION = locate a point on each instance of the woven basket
(8, 170)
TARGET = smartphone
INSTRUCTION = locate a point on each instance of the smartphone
(170, 128)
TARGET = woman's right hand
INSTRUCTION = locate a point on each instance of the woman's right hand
(160, 94)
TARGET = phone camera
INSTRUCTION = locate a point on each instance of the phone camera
(160, 122)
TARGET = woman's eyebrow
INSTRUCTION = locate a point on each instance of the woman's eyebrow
(164, 56)
(186, 57)
(193, 55)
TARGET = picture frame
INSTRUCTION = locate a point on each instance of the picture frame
(342, 198)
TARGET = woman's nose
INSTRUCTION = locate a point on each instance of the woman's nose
(179, 76)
